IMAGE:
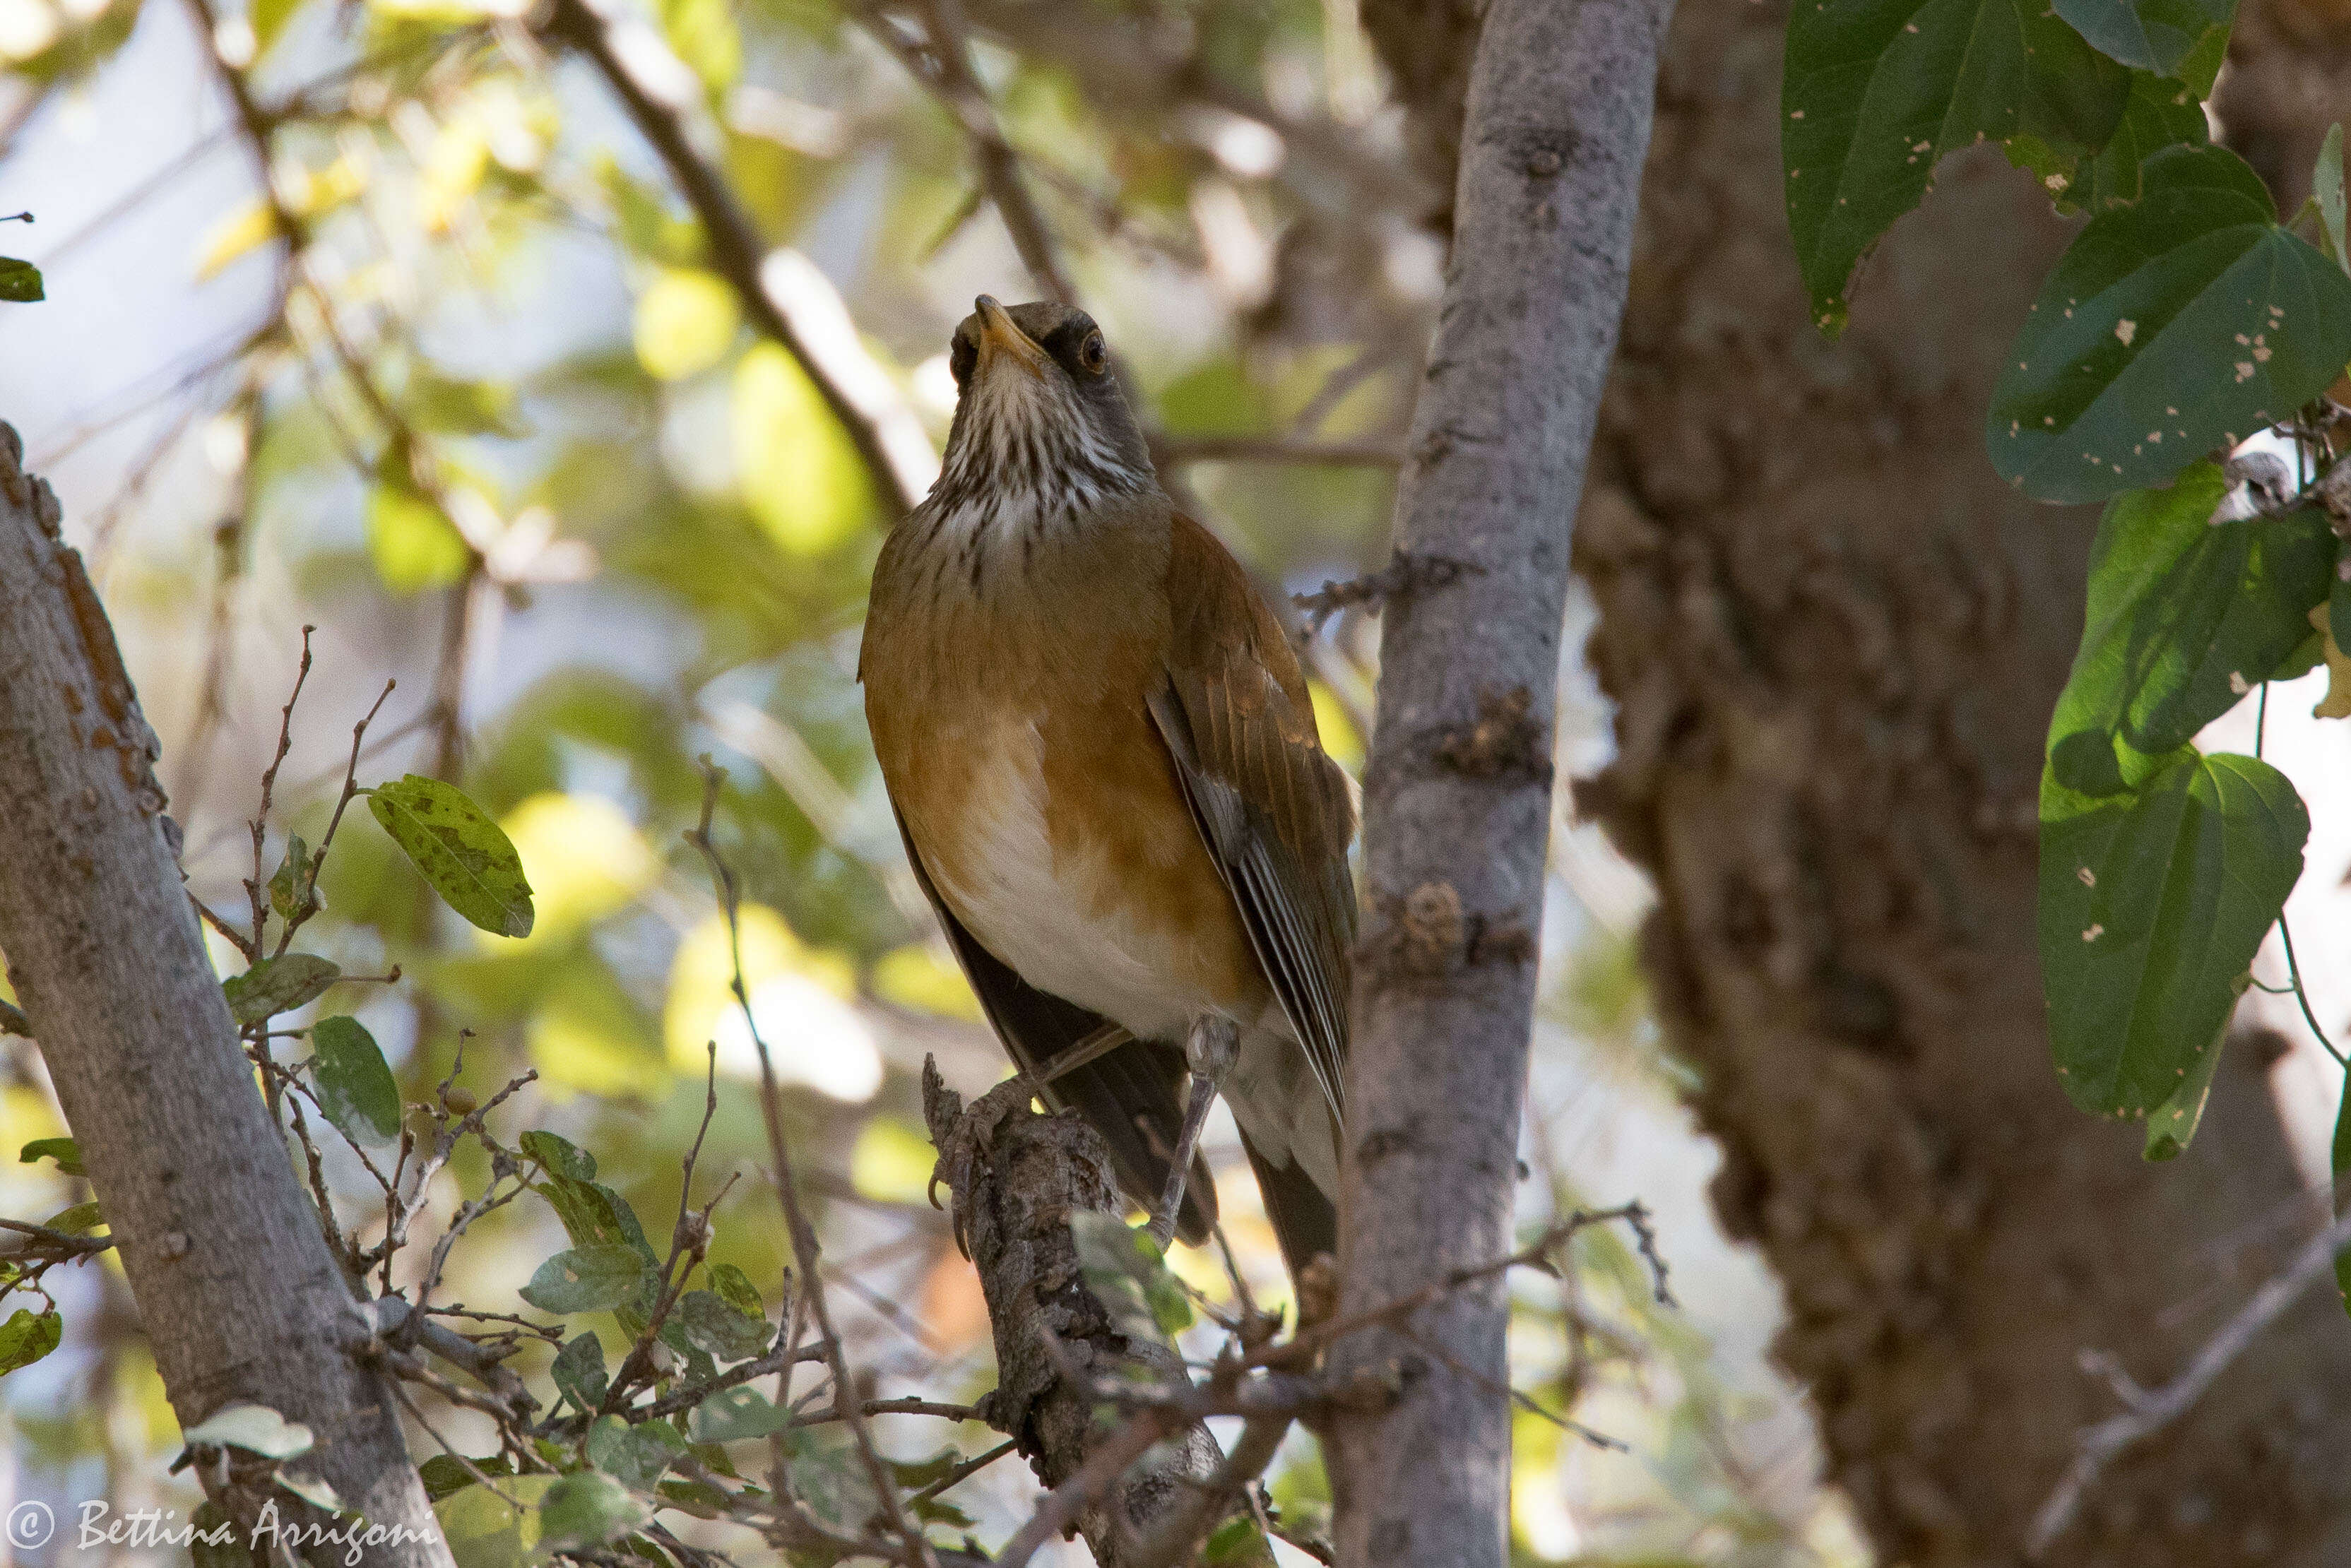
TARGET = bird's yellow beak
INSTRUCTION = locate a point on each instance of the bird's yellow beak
(1000, 335)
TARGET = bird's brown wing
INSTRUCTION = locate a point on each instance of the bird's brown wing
(1272, 809)
(1132, 1094)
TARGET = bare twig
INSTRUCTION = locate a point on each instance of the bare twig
(805, 1249)
(2147, 1412)
(783, 296)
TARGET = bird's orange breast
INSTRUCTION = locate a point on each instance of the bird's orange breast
(1009, 711)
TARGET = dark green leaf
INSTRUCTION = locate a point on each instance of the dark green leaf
(2152, 905)
(2184, 619)
(1878, 91)
(596, 1278)
(634, 1456)
(466, 857)
(2326, 190)
(560, 1158)
(586, 1508)
(20, 281)
(578, 1372)
(2169, 327)
(713, 1324)
(65, 1150)
(445, 1473)
(28, 1336)
(355, 1089)
(292, 892)
(2158, 35)
(731, 1415)
(277, 986)
(2161, 111)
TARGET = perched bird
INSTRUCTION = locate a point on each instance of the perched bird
(1106, 766)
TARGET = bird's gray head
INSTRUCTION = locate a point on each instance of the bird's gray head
(1040, 426)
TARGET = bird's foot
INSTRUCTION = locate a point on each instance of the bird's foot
(1210, 1047)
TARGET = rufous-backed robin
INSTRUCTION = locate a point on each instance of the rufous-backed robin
(1106, 766)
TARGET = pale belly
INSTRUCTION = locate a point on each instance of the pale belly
(1058, 919)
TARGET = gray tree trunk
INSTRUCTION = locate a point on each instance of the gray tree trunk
(1458, 790)
(239, 1296)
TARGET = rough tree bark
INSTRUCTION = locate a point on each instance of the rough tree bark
(1458, 790)
(1835, 638)
(239, 1297)
(1018, 1177)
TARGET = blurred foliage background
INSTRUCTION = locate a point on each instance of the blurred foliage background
(382, 315)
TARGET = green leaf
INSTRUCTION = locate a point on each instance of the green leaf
(1126, 1272)
(484, 1531)
(2184, 620)
(593, 1278)
(20, 281)
(26, 1337)
(578, 1372)
(560, 1158)
(2158, 35)
(270, 19)
(2161, 111)
(278, 985)
(2171, 1125)
(829, 1476)
(586, 1508)
(634, 1456)
(293, 890)
(312, 1489)
(256, 1429)
(445, 1473)
(1877, 91)
(2338, 603)
(65, 1150)
(463, 407)
(77, 1220)
(2152, 907)
(466, 857)
(2326, 189)
(735, 1287)
(714, 1324)
(414, 545)
(2168, 327)
(355, 1089)
(731, 1415)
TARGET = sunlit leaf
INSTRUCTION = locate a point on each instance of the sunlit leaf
(65, 1150)
(2185, 618)
(917, 975)
(484, 1531)
(1127, 1274)
(801, 476)
(465, 856)
(2152, 907)
(685, 322)
(256, 1429)
(278, 985)
(355, 1089)
(2169, 327)
(414, 545)
(28, 1336)
(583, 857)
(247, 228)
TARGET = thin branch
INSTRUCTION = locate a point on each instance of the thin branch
(1186, 1525)
(2148, 1412)
(783, 295)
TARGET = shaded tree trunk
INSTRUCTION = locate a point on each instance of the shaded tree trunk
(239, 1296)
(1835, 638)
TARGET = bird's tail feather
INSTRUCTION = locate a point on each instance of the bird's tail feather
(1305, 1220)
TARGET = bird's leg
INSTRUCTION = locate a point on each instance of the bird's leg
(1210, 1045)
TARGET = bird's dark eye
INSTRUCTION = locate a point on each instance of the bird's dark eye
(959, 360)
(1093, 353)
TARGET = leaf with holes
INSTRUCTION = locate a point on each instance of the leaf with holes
(356, 1088)
(1877, 91)
(2170, 326)
(453, 843)
(2152, 907)
(2161, 113)
(277, 986)
(2184, 620)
